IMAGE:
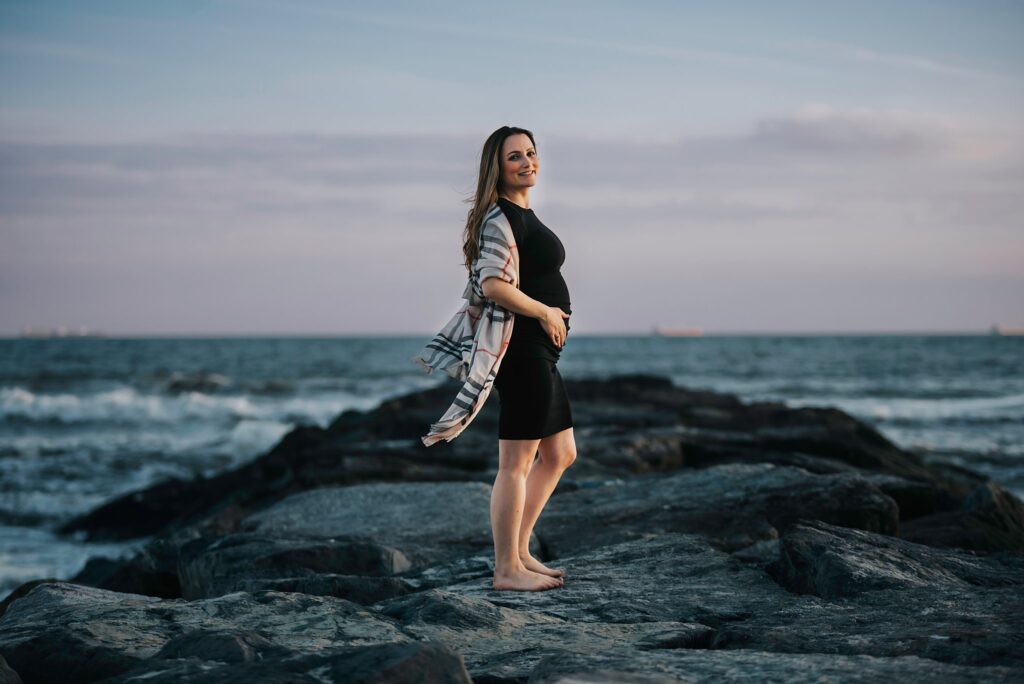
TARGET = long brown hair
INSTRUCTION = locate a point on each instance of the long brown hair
(487, 187)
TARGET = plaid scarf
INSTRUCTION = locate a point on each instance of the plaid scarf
(471, 345)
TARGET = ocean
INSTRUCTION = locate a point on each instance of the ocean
(86, 419)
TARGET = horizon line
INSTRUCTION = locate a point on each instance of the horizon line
(709, 333)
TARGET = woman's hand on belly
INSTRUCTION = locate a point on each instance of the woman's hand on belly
(554, 325)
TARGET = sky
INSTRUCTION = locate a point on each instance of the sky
(296, 167)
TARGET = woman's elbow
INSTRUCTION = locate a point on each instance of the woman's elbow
(490, 285)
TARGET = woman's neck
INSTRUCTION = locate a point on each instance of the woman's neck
(520, 199)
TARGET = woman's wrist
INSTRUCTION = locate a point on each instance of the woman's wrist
(540, 310)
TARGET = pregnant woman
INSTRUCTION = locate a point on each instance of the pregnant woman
(534, 408)
(508, 335)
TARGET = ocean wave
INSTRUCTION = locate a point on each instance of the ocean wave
(54, 474)
(992, 446)
(126, 405)
(1009, 408)
(246, 438)
(119, 405)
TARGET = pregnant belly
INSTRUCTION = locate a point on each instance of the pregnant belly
(529, 337)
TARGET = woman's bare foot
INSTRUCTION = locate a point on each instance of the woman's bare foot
(522, 579)
(532, 563)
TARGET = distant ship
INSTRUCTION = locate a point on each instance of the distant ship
(1006, 330)
(663, 331)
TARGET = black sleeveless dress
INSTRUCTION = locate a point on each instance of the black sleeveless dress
(532, 396)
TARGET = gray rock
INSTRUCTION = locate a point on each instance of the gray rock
(392, 513)
(661, 592)
(368, 541)
(654, 594)
(355, 588)
(990, 519)
(675, 591)
(831, 562)
(236, 646)
(22, 590)
(501, 643)
(735, 505)
(408, 529)
(621, 666)
(211, 567)
(722, 428)
(398, 663)
(65, 632)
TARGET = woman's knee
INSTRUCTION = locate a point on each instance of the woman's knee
(516, 459)
(520, 469)
(562, 455)
(567, 456)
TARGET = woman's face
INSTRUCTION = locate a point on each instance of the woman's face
(518, 163)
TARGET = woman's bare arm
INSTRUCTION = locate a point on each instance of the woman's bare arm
(511, 297)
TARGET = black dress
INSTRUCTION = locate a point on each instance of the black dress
(534, 403)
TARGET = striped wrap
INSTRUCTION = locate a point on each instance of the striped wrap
(471, 345)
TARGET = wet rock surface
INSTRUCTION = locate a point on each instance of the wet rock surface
(703, 539)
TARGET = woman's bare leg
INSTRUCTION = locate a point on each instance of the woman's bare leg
(507, 502)
(557, 452)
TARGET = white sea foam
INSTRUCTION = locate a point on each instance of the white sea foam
(890, 409)
(127, 405)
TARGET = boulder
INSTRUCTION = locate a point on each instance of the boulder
(833, 562)
(63, 633)
(990, 519)
(734, 505)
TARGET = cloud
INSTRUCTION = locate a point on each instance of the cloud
(859, 132)
(413, 173)
(861, 194)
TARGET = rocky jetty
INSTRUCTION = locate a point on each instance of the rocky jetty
(704, 538)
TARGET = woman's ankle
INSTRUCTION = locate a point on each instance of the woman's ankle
(510, 568)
